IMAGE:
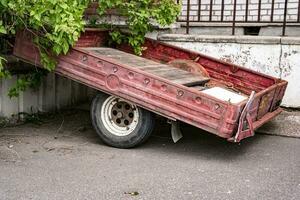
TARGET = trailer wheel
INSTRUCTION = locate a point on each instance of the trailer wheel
(120, 123)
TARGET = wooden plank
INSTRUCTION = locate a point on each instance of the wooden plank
(181, 76)
(172, 74)
(152, 68)
(125, 58)
(137, 63)
(190, 81)
(162, 70)
(115, 52)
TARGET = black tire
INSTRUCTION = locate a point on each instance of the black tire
(138, 134)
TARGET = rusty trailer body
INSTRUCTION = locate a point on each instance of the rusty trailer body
(152, 84)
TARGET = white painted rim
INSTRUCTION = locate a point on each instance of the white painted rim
(110, 125)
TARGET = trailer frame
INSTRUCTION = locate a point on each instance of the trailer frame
(164, 97)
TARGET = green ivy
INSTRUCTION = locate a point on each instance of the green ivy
(57, 24)
(31, 80)
(3, 72)
(140, 14)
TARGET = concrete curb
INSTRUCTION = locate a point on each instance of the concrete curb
(230, 39)
(286, 124)
(290, 40)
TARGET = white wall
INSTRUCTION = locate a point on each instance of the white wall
(275, 56)
(55, 93)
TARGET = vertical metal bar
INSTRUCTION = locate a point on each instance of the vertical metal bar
(188, 17)
(298, 11)
(272, 10)
(199, 10)
(246, 10)
(177, 19)
(210, 10)
(233, 17)
(259, 10)
(284, 17)
(222, 10)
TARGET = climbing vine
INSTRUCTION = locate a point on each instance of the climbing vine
(57, 24)
(140, 15)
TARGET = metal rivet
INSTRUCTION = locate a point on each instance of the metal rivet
(180, 93)
(84, 58)
(115, 69)
(146, 81)
(198, 100)
(99, 63)
(131, 75)
(164, 88)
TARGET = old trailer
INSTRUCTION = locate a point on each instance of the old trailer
(180, 85)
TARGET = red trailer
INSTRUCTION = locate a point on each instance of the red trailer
(181, 85)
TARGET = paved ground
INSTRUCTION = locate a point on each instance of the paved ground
(64, 159)
(286, 124)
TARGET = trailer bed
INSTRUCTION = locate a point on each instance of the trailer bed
(176, 94)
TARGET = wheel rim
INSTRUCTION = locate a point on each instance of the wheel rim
(118, 116)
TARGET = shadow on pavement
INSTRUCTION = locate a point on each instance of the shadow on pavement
(75, 128)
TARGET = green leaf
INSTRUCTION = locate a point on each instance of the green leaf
(2, 28)
(140, 15)
(3, 2)
(59, 23)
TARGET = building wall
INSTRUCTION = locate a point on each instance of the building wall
(241, 9)
(275, 56)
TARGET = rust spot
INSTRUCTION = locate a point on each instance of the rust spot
(264, 105)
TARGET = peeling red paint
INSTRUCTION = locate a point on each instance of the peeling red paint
(166, 98)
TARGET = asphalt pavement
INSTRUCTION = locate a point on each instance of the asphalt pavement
(63, 158)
